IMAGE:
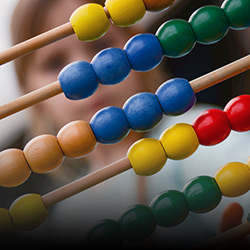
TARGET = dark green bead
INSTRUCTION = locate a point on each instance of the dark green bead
(176, 37)
(137, 223)
(169, 208)
(237, 13)
(210, 24)
(105, 234)
(202, 194)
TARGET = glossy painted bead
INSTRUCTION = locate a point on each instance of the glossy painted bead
(137, 223)
(143, 111)
(237, 12)
(14, 169)
(7, 228)
(147, 156)
(176, 37)
(105, 234)
(43, 154)
(125, 13)
(78, 80)
(109, 125)
(202, 194)
(233, 179)
(144, 52)
(111, 66)
(89, 22)
(238, 113)
(28, 212)
(76, 139)
(169, 208)
(179, 141)
(211, 127)
(176, 96)
(209, 24)
(152, 5)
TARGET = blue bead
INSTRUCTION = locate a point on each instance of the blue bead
(176, 96)
(109, 125)
(143, 111)
(111, 66)
(78, 80)
(144, 52)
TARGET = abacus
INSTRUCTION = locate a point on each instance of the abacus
(112, 124)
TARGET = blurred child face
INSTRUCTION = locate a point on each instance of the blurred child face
(48, 61)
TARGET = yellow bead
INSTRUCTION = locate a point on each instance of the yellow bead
(43, 154)
(7, 228)
(147, 156)
(125, 12)
(76, 139)
(179, 141)
(233, 179)
(14, 169)
(89, 22)
(28, 212)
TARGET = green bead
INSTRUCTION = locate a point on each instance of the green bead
(106, 233)
(176, 37)
(202, 194)
(209, 24)
(169, 208)
(237, 13)
(137, 223)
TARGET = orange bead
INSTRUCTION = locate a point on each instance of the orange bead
(14, 169)
(43, 154)
(76, 139)
(153, 5)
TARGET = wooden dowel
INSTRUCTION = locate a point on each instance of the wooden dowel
(30, 99)
(86, 182)
(221, 74)
(35, 43)
(198, 84)
(226, 237)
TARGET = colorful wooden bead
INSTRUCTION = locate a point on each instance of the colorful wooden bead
(209, 24)
(202, 194)
(14, 169)
(76, 139)
(111, 66)
(7, 229)
(147, 156)
(28, 212)
(179, 141)
(144, 52)
(238, 113)
(78, 80)
(237, 12)
(109, 125)
(233, 179)
(124, 13)
(43, 154)
(89, 22)
(169, 208)
(211, 127)
(176, 37)
(176, 96)
(105, 234)
(143, 111)
(152, 5)
(137, 223)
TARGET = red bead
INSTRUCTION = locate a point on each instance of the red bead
(238, 113)
(212, 127)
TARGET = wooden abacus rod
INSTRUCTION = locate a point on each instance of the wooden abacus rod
(35, 43)
(86, 182)
(54, 89)
(226, 237)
